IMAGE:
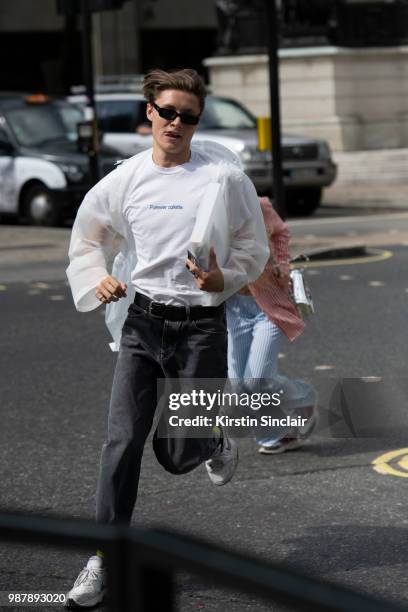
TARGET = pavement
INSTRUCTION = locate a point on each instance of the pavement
(323, 510)
(375, 179)
(338, 240)
(368, 183)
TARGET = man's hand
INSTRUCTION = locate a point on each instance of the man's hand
(213, 280)
(110, 290)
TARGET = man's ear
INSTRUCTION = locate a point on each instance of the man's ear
(149, 111)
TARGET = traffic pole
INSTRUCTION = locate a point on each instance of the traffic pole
(277, 172)
(90, 111)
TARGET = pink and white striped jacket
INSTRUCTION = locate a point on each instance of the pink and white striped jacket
(270, 297)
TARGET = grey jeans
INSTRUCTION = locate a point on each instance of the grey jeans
(153, 348)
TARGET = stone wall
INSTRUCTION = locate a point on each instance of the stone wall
(356, 98)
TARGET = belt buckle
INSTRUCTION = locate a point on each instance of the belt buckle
(156, 305)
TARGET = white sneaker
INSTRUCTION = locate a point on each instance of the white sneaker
(90, 586)
(292, 442)
(281, 446)
(223, 463)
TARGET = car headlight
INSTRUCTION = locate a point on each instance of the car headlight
(324, 150)
(247, 155)
(72, 172)
(254, 155)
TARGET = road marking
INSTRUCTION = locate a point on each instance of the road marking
(3, 287)
(346, 277)
(404, 463)
(398, 468)
(349, 219)
(376, 284)
(324, 367)
(380, 255)
(57, 298)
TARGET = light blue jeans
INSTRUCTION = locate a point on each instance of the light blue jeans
(253, 349)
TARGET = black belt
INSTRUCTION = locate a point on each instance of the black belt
(176, 313)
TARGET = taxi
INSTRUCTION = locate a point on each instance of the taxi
(43, 175)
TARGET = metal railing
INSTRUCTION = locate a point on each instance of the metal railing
(142, 564)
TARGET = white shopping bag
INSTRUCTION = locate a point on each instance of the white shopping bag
(210, 229)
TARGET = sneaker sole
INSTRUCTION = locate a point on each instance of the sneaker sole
(295, 444)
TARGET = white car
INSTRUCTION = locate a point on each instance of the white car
(307, 162)
(43, 176)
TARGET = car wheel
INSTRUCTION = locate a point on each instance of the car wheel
(40, 207)
(303, 202)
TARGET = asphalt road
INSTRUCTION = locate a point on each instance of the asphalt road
(323, 509)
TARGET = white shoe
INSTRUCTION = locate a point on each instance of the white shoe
(290, 442)
(281, 446)
(90, 586)
(223, 463)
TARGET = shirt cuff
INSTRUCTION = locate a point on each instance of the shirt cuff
(229, 280)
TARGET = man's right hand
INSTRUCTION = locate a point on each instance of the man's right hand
(110, 290)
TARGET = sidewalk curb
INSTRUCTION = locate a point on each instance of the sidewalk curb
(339, 252)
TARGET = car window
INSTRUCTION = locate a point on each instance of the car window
(36, 125)
(121, 115)
(71, 115)
(223, 114)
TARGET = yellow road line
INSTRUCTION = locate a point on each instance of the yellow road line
(381, 255)
(404, 463)
(382, 466)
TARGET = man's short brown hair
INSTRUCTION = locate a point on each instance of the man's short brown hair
(186, 79)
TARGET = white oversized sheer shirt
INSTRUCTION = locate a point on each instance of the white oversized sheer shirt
(102, 233)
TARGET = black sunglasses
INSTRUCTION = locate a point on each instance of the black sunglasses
(171, 114)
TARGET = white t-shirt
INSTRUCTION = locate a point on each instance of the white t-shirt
(151, 243)
(160, 208)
